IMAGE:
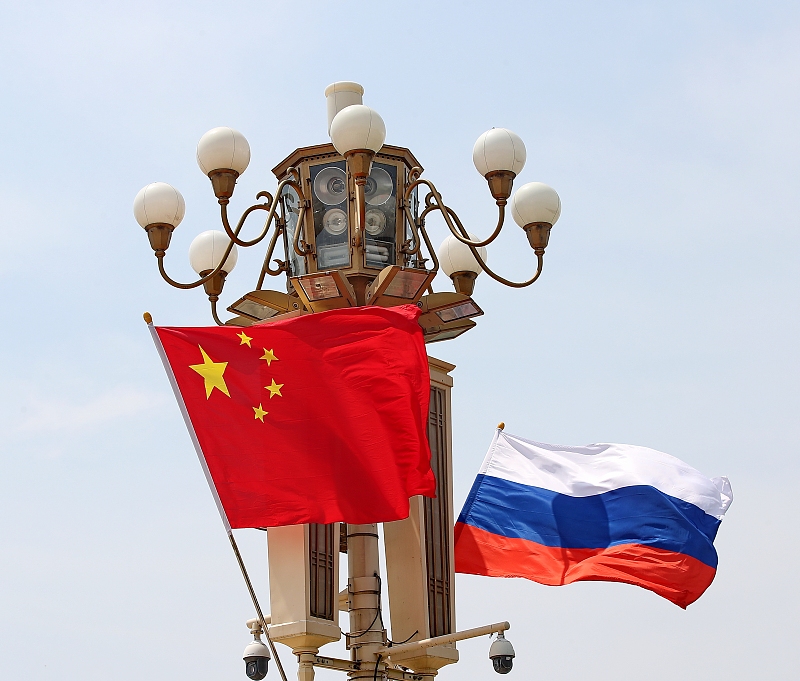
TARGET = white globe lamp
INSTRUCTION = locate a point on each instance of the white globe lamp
(159, 209)
(499, 155)
(207, 250)
(357, 128)
(536, 207)
(458, 263)
(358, 133)
(223, 154)
(159, 203)
(499, 149)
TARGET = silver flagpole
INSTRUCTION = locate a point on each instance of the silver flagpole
(190, 426)
(255, 603)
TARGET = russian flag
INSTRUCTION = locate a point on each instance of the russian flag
(557, 514)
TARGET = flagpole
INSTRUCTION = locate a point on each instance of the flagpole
(255, 603)
(148, 318)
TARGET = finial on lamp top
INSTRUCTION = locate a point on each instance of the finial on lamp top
(340, 95)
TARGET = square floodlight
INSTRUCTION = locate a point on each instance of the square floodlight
(250, 308)
(442, 308)
(446, 315)
(447, 331)
(460, 311)
(396, 285)
(260, 305)
(324, 290)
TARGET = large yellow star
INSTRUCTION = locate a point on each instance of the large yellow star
(269, 356)
(260, 413)
(274, 389)
(245, 339)
(212, 374)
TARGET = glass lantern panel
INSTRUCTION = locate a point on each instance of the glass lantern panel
(329, 206)
(381, 216)
(291, 202)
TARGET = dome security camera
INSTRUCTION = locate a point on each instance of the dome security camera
(501, 654)
(256, 655)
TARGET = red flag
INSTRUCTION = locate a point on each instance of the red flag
(315, 419)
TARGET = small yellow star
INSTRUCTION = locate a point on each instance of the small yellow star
(260, 413)
(274, 389)
(245, 339)
(212, 374)
(269, 356)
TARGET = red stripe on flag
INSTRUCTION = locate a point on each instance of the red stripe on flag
(675, 576)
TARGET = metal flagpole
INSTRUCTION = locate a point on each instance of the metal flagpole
(255, 603)
(148, 318)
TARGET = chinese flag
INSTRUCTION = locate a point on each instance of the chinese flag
(315, 419)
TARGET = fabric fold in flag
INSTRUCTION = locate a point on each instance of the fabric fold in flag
(557, 514)
(313, 419)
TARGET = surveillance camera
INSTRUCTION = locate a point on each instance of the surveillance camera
(502, 654)
(256, 657)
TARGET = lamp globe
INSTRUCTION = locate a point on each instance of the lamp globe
(223, 149)
(207, 249)
(357, 128)
(535, 202)
(458, 263)
(159, 203)
(499, 149)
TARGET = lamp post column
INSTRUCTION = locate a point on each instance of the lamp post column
(363, 586)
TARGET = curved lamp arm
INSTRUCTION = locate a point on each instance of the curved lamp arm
(301, 247)
(488, 270)
(214, 314)
(233, 234)
(202, 280)
(298, 245)
(417, 228)
(283, 265)
(406, 247)
(434, 202)
(292, 180)
(429, 246)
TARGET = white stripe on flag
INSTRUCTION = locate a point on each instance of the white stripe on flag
(594, 469)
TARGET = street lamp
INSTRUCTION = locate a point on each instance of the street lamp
(353, 231)
(348, 217)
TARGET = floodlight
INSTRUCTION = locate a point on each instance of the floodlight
(397, 285)
(324, 291)
(447, 315)
(260, 305)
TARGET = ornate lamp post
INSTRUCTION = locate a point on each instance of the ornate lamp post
(348, 219)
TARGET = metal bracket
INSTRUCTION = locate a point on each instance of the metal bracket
(447, 638)
(349, 666)
(335, 663)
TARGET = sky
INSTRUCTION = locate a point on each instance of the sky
(666, 315)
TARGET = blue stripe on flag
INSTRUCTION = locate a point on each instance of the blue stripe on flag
(638, 514)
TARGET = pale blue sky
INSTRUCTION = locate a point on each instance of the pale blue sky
(666, 315)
